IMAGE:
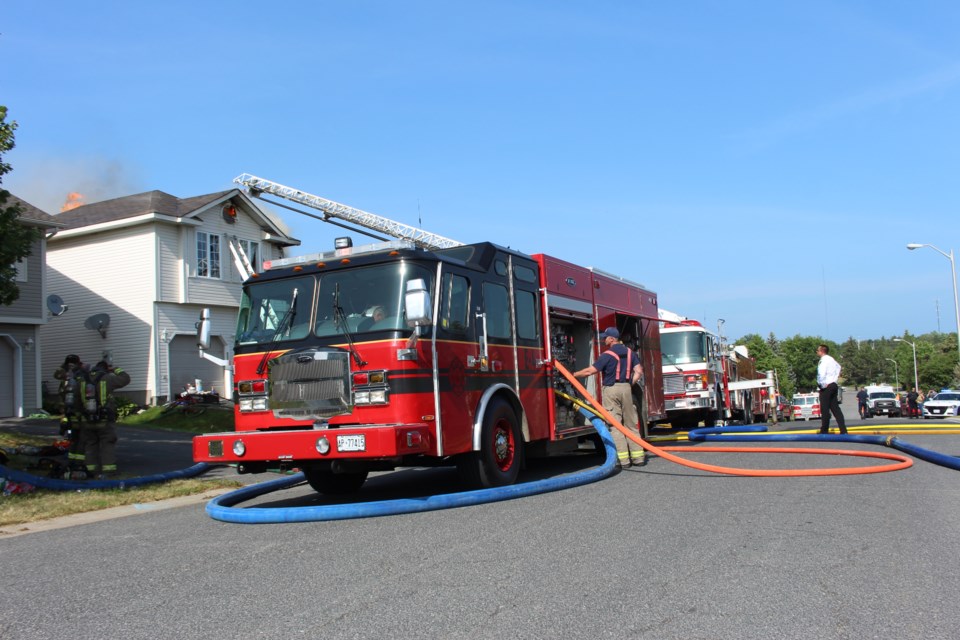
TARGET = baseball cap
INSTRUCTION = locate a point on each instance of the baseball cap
(610, 332)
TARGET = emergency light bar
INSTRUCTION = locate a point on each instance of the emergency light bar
(376, 247)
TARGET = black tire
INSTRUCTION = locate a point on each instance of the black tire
(498, 462)
(168, 408)
(193, 410)
(330, 483)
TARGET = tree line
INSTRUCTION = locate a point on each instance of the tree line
(863, 362)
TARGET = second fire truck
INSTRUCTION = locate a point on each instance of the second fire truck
(704, 381)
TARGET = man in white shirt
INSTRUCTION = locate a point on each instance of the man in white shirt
(828, 372)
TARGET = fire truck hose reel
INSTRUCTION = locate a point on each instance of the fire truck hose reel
(222, 507)
(56, 484)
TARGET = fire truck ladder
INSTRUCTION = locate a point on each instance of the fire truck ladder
(257, 186)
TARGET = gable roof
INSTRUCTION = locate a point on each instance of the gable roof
(136, 205)
(153, 204)
(32, 215)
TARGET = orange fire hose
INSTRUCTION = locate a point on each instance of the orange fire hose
(903, 462)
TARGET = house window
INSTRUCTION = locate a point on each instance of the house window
(208, 255)
(21, 268)
(252, 251)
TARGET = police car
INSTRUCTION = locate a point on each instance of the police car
(946, 403)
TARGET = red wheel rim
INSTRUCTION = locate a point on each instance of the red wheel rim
(504, 448)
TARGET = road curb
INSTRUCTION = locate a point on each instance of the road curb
(14, 530)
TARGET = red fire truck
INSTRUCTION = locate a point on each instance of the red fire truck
(706, 382)
(371, 358)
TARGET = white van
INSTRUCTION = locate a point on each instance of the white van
(882, 400)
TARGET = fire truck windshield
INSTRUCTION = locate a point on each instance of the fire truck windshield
(265, 306)
(683, 347)
(371, 298)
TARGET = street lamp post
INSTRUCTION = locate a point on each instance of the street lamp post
(916, 383)
(896, 374)
(953, 273)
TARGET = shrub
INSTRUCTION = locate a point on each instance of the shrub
(125, 407)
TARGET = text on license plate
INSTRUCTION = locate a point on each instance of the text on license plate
(352, 443)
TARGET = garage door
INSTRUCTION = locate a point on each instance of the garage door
(186, 365)
(6, 379)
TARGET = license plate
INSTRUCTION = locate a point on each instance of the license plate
(352, 443)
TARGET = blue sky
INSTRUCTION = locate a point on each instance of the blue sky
(765, 163)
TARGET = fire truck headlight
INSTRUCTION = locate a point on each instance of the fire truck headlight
(259, 404)
(246, 404)
(239, 448)
(361, 397)
(378, 396)
(323, 445)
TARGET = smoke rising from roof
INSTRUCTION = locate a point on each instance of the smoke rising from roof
(47, 183)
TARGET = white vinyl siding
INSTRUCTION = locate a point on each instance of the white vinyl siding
(171, 284)
(29, 307)
(115, 274)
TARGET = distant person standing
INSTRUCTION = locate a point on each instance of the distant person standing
(828, 373)
(912, 399)
(862, 397)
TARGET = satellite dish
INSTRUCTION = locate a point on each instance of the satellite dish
(99, 322)
(55, 305)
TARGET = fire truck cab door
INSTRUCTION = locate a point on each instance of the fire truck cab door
(458, 359)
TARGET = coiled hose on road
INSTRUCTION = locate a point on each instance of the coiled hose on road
(740, 434)
(221, 508)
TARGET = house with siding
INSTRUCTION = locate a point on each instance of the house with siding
(20, 322)
(135, 273)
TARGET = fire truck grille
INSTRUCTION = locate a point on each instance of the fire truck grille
(673, 383)
(310, 384)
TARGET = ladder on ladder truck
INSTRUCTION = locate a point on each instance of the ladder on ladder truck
(257, 186)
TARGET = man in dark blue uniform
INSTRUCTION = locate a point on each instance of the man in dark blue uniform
(619, 369)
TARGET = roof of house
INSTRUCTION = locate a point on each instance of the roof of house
(136, 205)
(159, 203)
(32, 215)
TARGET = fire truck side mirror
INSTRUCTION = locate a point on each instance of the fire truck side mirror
(203, 330)
(417, 304)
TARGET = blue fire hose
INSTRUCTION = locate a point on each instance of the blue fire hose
(221, 508)
(55, 484)
(726, 434)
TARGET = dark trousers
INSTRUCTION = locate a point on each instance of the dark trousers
(830, 403)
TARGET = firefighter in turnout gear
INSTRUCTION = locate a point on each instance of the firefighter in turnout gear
(70, 374)
(620, 369)
(100, 411)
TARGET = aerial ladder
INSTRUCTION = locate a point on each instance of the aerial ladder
(256, 187)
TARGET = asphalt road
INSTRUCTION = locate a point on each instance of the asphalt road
(662, 551)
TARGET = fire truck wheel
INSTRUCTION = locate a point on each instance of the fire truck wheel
(330, 483)
(501, 449)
